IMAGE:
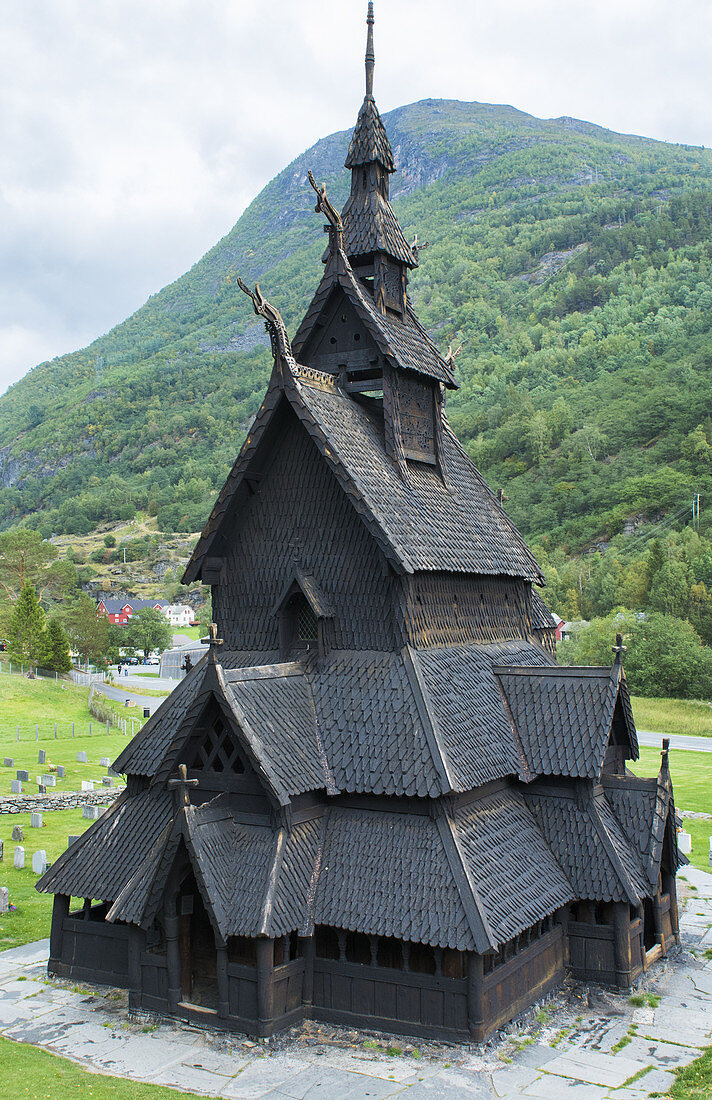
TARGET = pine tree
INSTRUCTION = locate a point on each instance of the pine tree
(56, 647)
(26, 632)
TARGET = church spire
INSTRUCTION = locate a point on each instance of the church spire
(370, 56)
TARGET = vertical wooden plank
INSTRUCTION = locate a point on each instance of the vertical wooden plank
(265, 982)
(60, 910)
(621, 944)
(223, 981)
(475, 996)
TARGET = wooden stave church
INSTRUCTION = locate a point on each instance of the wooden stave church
(377, 801)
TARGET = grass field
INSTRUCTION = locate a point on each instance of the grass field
(31, 919)
(685, 716)
(39, 1075)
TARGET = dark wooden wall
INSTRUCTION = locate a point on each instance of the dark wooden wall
(457, 609)
(299, 509)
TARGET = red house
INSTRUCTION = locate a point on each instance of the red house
(120, 611)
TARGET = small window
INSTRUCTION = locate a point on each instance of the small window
(218, 752)
(390, 953)
(422, 958)
(326, 942)
(358, 948)
(241, 951)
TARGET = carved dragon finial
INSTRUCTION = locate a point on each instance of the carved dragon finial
(272, 319)
(416, 247)
(370, 55)
(452, 355)
(324, 205)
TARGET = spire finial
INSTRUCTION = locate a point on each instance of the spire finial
(370, 56)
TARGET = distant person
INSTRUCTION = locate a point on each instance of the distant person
(118, 670)
(187, 664)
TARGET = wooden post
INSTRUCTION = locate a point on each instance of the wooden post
(172, 957)
(265, 983)
(670, 887)
(308, 952)
(563, 920)
(223, 982)
(136, 938)
(658, 922)
(60, 910)
(475, 996)
(621, 944)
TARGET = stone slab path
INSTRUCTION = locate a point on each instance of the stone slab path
(585, 1044)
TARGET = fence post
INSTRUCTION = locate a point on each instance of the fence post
(55, 731)
(90, 729)
(18, 731)
(72, 729)
(107, 727)
(37, 732)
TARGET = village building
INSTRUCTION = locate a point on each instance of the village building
(377, 800)
(120, 611)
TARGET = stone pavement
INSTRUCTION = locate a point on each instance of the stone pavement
(584, 1044)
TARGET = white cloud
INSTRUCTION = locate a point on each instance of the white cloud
(134, 132)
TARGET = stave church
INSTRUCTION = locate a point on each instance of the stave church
(377, 800)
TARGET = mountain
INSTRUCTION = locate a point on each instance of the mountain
(573, 264)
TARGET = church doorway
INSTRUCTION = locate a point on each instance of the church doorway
(198, 953)
(649, 932)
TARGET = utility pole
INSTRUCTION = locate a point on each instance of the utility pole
(696, 511)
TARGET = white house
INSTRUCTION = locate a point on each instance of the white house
(179, 614)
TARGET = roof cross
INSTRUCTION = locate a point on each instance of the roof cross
(619, 649)
(181, 784)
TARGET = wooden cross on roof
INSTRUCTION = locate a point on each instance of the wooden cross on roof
(619, 649)
(181, 785)
(212, 640)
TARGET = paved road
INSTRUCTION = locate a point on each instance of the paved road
(677, 741)
(152, 702)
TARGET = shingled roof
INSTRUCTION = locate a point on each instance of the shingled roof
(576, 708)
(589, 843)
(370, 225)
(369, 141)
(646, 808)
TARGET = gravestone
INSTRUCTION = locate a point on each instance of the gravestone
(60, 771)
(70, 840)
(19, 858)
(91, 812)
(39, 862)
(49, 780)
(684, 842)
(4, 899)
(81, 758)
(42, 757)
(15, 786)
(87, 785)
(2, 850)
(41, 789)
(36, 821)
(9, 762)
(107, 781)
(17, 833)
(104, 762)
(24, 777)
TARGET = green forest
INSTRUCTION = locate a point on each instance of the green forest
(573, 265)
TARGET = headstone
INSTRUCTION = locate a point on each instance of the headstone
(17, 833)
(107, 781)
(24, 777)
(81, 758)
(4, 899)
(8, 762)
(35, 821)
(105, 762)
(87, 785)
(70, 840)
(2, 850)
(42, 757)
(49, 780)
(91, 812)
(60, 771)
(39, 862)
(41, 789)
(15, 786)
(684, 842)
(19, 858)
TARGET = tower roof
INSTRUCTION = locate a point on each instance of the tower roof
(369, 142)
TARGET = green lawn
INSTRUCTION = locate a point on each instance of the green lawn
(686, 716)
(694, 1082)
(28, 1072)
(692, 778)
(193, 632)
(36, 705)
(31, 919)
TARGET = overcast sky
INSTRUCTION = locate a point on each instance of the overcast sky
(134, 132)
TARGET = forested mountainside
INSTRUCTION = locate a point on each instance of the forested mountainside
(573, 264)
